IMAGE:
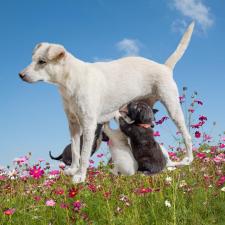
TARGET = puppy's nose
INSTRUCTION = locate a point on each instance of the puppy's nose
(22, 75)
(152, 126)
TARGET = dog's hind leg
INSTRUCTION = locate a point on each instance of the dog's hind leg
(170, 99)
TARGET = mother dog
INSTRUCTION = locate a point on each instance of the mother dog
(93, 92)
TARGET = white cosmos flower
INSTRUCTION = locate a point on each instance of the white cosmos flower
(167, 204)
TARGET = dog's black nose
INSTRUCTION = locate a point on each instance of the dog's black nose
(22, 75)
(152, 126)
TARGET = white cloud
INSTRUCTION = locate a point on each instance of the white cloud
(195, 10)
(130, 47)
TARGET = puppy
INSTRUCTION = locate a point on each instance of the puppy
(93, 92)
(66, 155)
(146, 150)
(122, 157)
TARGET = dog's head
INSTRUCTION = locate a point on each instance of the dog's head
(141, 113)
(47, 64)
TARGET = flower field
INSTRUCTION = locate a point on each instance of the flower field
(37, 194)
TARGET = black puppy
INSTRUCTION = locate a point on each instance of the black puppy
(146, 150)
(66, 155)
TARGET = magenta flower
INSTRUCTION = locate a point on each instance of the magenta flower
(182, 99)
(198, 102)
(201, 155)
(202, 118)
(100, 155)
(36, 173)
(191, 110)
(161, 120)
(77, 205)
(54, 172)
(198, 125)
(50, 202)
(197, 134)
(9, 212)
(20, 161)
(221, 181)
(222, 145)
(142, 191)
(207, 137)
(156, 134)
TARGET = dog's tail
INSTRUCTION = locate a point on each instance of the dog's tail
(55, 158)
(178, 53)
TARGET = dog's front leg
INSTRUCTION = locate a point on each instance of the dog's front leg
(75, 132)
(88, 138)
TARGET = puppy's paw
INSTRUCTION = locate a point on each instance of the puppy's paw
(114, 172)
(70, 171)
(78, 178)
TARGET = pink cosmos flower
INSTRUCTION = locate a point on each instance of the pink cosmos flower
(201, 155)
(37, 198)
(2, 177)
(73, 192)
(63, 206)
(62, 166)
(221, 181)
(143, 190)
(77, 205)
(191, 110)
(50, 202)
(156, 134)
(207, 137)
(161, 120)
(100, 155)
(223, 139)
(198, 125)
(198, 102)
(197, 134)
(91, 161)
(9, 212)
(202, 118)
(182, 99)
(21, 160)
(54, 172)
(222, 145)
(59, 191)
(36, 173)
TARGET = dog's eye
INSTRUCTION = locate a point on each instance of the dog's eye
(41, 62)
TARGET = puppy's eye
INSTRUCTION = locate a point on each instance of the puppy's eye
(41, 62)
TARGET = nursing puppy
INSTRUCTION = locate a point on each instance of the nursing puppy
(93, 92)
(66, 155)
(122, 156)
(146, 150)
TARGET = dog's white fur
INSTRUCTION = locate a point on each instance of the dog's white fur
(92, 92)
(122, 156)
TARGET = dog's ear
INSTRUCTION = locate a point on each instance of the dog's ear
(56, 52)
(155, 111)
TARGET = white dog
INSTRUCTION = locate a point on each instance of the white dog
(92, 92)
(122, 156)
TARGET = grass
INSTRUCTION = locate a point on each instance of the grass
(193, 196)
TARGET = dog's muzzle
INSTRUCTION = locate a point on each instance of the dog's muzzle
(24, 77)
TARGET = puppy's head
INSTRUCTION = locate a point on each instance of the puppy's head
(47, 64)
(141, 113)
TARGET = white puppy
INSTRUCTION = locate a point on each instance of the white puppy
(122, 156)
(92, 92)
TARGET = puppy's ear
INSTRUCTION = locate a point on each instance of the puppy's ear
(155, 111)
(56, 52)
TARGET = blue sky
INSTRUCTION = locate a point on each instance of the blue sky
(32, 117)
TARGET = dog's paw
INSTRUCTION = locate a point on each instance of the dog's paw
(78, 178)
(186, 161)
(70, 171)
